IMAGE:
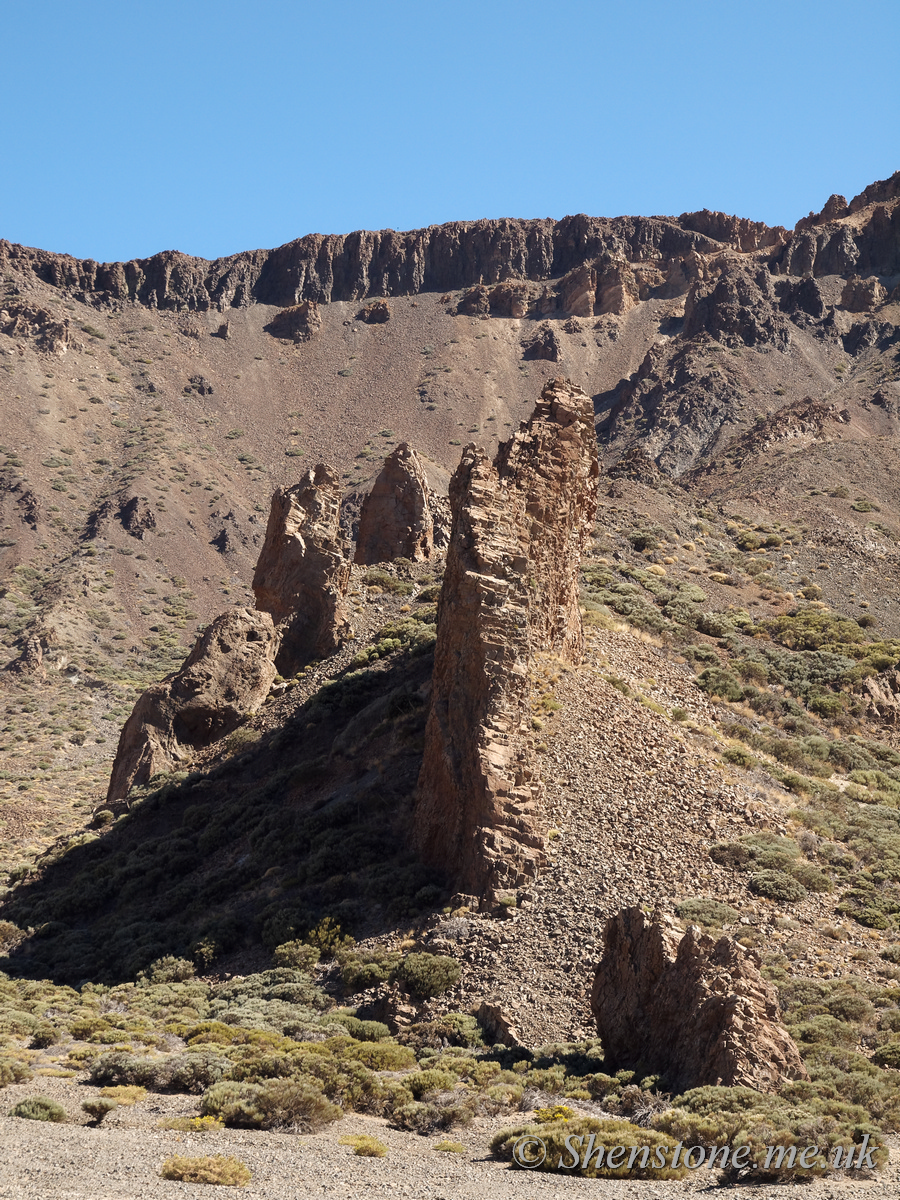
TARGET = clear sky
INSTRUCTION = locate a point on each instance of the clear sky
(131, 127)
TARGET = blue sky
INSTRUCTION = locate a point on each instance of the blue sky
(216, 127)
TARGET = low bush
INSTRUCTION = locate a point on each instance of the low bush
(364, 1145)
(699, 910)
(298, 955)
(277, 1103)
(39, 1108)
(99, 1108)
(606, 1135)
(211, 1168)
(777, 885)
(428, 975)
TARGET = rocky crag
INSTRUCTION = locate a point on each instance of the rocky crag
(520, 523)
(226, 676)
(691, 1008)
(303, 571)
(395, 520)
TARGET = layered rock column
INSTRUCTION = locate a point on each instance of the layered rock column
(691, 1008)
(303, 571)
(510, 591)
(395, 520)
(226, 676)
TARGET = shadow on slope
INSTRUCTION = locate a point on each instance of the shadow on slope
(310, 819)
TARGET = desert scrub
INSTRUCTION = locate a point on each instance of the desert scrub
(364, 1145)
(211, 1168)
(699, 910)
(605, 1134)
(99, 1108)
(39, 1108)
(428, 975)
(375, 577)
(277, 1103)
(447, 1147)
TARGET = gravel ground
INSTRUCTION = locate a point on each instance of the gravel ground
(39, 1161)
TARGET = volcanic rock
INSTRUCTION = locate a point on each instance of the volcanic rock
(577, 291)
(691, 1008)
(882, 696)
(299, 322)
(510, 591)
(23, 320)
(137, 515)
(736, 310)
(225, 677)
(862, 295)
(544, 343)
(30, 661)
(395, 520)
(303, 571)
(376, 313)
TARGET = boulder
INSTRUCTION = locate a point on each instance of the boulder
(510, 591)
(881, 694)
(689, 1007)
(30, 661)
(395, 520)
(225, 677)
(375, 313)
(303, 571)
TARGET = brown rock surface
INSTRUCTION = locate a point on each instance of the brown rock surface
(510, 591)
(691, 1008)
(226, 676)
(543, 343)
(862, 295)
(299, 322)
(395, 520)
(30, 661)
(303, 571)
(882, 695)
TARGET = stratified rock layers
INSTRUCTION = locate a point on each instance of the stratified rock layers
(510, 590)
(395, 520)
(226, 676)
(303, 571)
(688, 1007)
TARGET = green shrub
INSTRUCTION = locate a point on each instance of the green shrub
(447, 1147)
(362, 969)
(429, 975)
(99, 1108)
(168, 970)
(699, 910)
(276, 1103)
(364, 1145)
(606, 1134)
(299, 955)
(14, 1071)
(777, 885)
(211, 1168)
(716, 681)
(730, 854)
(39, 1108)
(888, 1056)
(375, 577)
(430, 1080)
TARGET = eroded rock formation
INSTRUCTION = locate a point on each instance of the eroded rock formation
(303, 571)
(226, 676)
(691, 1008)
(299, 322)
(510, 591)
(395, 520)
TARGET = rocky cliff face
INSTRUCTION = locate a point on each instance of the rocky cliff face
(395, 520)
(226, 676)
(303, 570)
(691, 1008)
(510, 591)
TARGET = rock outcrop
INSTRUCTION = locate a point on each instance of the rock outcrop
(30, 661)
(543, 343)
(50, 333)
(881, 694)
(303, 570)
(376, 313)
(688, 1007)
(299, 322)
(395, 520)
(737, 308)
(862, 295)
(226, 676)
(510, 591)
